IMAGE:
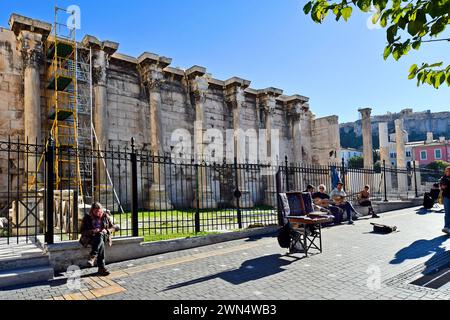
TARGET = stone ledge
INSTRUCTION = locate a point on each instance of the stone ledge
(62, 255)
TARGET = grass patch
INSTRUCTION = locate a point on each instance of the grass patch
(162, 237)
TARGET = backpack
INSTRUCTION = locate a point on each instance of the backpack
(284, 236)
(428, 201)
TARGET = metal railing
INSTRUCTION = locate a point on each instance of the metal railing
(159, 197)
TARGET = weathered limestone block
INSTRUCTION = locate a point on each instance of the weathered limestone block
(326, 140)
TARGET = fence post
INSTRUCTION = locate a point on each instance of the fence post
(279, 204)
(134, 192)
(75, 216)
(197, 207)
(385, 181)
(415, 179)
(238, 194)
(50, 191)
(287, 172)
(343, 174)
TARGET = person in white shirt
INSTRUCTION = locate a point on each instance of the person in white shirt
(339, 196)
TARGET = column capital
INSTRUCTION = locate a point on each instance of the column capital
(20, 23)
(268, 99)
(365, 112)
(235, 91)
(297, 106)
(199, 87)
(31, 45)
(151, 67)
(102, 52)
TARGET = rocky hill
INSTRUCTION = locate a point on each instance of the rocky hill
(416, 123)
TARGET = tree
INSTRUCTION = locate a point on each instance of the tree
(408, 23)
(438, 166)
(356, 162)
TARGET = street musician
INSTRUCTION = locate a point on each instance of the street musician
(339, 198)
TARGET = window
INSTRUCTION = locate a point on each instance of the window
(393, 155)
(438, 154)
(408, 154)
(423, 155)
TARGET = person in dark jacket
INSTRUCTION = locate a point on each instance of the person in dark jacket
(445, 187)
(96, 230)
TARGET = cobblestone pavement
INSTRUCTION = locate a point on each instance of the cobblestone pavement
(254, 269)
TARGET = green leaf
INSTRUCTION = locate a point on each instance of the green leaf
(413, 69)
(364, 5)
(376, 17)
(439, 79)
(438, 27)
(414, 27)
(396, 54)
(307, 8)
(416, 44)
(448, 79)
(346, 13)
(387, 52)
(391, 33)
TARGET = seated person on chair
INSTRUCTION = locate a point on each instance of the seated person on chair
(364, 201)
(322, 199)
(339, 197)
(317, 207)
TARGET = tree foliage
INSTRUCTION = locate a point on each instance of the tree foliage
(356, 162)
(408, 24)
(438, 166)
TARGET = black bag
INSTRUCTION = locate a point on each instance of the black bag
(428, 201)
(284, 236)
(382, 229)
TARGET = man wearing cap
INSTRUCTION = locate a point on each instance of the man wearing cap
(338, 195)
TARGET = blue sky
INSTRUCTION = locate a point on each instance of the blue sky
(270, 42)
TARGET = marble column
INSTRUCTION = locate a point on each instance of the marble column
(101, 53)
(267, 98)
(199, 88)
(151, 68)
(235, 96)
(367, 144)
(384, 153)
(295, 114)
(33, 58)
(30, 35)
(367, 137)
(401, 156)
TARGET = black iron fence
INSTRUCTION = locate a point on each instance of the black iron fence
(46, 190)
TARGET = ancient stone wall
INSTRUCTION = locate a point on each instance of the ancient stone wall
(146, 99)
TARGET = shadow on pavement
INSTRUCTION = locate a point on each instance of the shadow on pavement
(421, 248)
(250, 270)
(423, 211)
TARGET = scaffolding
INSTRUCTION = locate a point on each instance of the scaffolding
(69, 105)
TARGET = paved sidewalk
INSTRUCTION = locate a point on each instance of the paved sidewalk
(252, 269)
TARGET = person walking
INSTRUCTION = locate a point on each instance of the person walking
(445, 187)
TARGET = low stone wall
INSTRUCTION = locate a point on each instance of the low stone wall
(381, 207)
(62, 255)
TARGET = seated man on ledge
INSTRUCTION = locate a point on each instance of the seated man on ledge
(96, 230)
(339, 197)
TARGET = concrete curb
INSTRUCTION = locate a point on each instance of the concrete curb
(63, 255)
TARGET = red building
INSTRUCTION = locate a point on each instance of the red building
(432, 150)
